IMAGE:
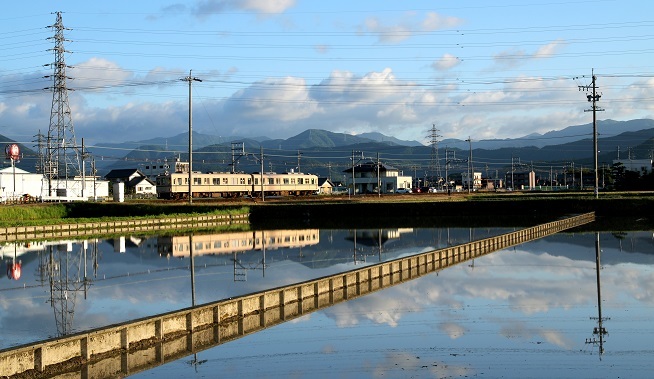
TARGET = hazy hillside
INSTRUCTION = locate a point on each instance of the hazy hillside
(327, 153)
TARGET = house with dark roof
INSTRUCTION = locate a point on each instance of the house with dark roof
(325, 186)
(136, 182)
(368, 177)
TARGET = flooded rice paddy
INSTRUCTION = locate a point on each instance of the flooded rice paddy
(541, 309)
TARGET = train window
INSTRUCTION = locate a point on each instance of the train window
(179, 181)
(216, 181)
(249, 180)
(285, 180)
(271, 180)
(242, 181)
(225, 181)
(276, 180)
(206, 180)
(300, 181)
(313, 181)
(256, 180)
(292, 180)
(197, 180)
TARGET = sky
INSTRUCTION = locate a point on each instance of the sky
(275, 68)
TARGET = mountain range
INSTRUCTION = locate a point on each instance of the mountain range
(328, 154)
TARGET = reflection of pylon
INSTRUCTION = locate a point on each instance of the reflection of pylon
(62, 153)
(67, 276)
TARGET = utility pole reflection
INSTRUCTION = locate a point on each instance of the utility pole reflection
(599, 331)
(194, 362)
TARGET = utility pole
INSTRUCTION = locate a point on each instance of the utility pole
(353, 180)
(435, 166)
(263, 198)
(237, 147)
(470, 168)
(378, 178)
(593, 98)
(299, 155)
(190, 79)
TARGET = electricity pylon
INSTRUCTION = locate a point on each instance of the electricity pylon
(62, 153)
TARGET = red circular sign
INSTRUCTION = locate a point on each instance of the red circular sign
(12, 151)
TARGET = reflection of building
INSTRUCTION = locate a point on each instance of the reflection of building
(227, 243)
(376, 237)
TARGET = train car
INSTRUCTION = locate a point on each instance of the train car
(211, 184)
(223, 184)
(286, 184)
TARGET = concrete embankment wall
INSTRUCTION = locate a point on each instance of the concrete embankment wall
(129, 347)
(22, 233)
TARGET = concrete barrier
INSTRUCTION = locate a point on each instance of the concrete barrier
(23, 233)
(129, 347)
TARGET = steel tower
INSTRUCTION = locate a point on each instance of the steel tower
(62, 159)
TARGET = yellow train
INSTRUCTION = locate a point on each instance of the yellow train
(228, 185)
(236, 242)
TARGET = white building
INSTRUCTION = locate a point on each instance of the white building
(476, 180)
(369, 175)
(16, 183)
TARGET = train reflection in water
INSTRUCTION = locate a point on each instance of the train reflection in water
(236, 242)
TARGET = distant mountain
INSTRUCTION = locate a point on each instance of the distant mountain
(315, 138)
(318, 151)
(378, 137)
(605, 128)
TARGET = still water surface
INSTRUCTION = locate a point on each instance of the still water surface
(528, 311)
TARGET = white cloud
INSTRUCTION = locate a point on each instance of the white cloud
(266, 6)
(516, 57)
(206, 8)
(435, 21)
(408, 27)
(97, 74)
(284, 100)
(453, 330)
(549, 50)
(446, 62)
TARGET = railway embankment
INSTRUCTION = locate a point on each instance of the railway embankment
(613, 212)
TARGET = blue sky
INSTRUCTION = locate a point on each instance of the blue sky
(476, 69)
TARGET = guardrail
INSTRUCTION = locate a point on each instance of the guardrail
(21, 233)
(137, 345)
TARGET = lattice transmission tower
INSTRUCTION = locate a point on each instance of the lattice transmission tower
(434, 165)
(62, 157)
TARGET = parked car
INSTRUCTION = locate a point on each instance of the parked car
(415, 190)
(403, 190)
